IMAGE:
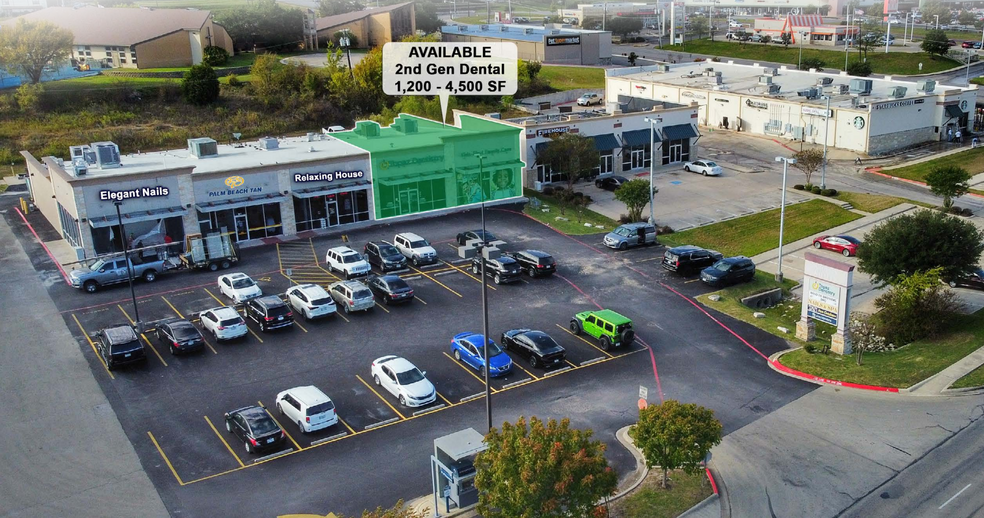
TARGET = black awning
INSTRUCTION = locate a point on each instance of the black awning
(680, 132)
(953, 111)
(638, 137)
(606, 142)
(540, 146)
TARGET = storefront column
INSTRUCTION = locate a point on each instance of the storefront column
(186, 196)
(287, 216)
(85, 229)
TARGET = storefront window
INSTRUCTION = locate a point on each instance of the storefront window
(412, 197)
(252, 222)
(139, 234)
(676, 151)
(69, 226)
(635, 157)
(332, 209)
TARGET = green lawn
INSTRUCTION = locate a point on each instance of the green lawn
(974, 379)
(972, 160)
(901, 368)
(211, 5)
(243, 59)
(649, 500)
(752, 235)
(872, 203)
(977, 80)
(105, 82)
(572, 226)
(881, 63)
(570, 78)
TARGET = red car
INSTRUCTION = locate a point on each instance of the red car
(846, 245)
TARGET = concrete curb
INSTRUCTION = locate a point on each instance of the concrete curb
(696, 510)
(777, 366)
(622, 435)
(876, 171)
(962, 391)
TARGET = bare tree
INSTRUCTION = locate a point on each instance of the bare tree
(809, 161)
(864, 337)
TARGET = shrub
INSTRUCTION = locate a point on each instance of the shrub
(808, 186)
(833, 192)
(624, 218)
(29, 96)
(548, 191)
(200, 85)
(665, 229)
(859, 68)
(716, 59)
(169, 91)
(234, 81)
(815, 189)
(215, 56)
(826, 192)
(810, 348)
(968, 212)
(799, 187)
(916, 306)
(955, 210)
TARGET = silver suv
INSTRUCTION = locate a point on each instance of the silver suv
(415, 248)
(352, 296)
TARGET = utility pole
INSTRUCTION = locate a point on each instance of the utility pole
(847, 35)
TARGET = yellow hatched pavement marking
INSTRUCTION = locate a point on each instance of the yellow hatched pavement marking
(568, 331)
(93, 345)
(393, 408)
(217, 434)
(464, 271)
(425, 274)
(152, 348)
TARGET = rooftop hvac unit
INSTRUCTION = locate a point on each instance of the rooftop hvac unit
(860, 86)
(770, 71)
(312, 136)
(409, 126)
(708, 71)
(824, 81)
(528, 31)
(203, 147)
(79, 166)
(714, 80)
(841, 89)
(484, 27)
(662, 68)
(269, 143)
(84, 152)
(765, 80)
(503, 28)
(774, 89)
(554, 31)
(926, 86)
(898, 92)
(107, 154)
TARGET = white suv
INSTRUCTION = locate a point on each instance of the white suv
(224, 323)
(344, 260)
(310, 300)
(415, 248)
(239, 287)
(309, 407)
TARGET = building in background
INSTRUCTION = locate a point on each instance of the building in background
(876, 116)
(805, 28)
(135, 38)
(558, 44)
(19, 7)
(371, 27)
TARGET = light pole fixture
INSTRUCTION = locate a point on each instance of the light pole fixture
(782, 209)
(937, 21)
(346, 42)
(485, 299)
(652, 167)
(826, 128)
(800, 64)
(847, 37)
(126, 257)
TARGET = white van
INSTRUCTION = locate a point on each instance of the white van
(309, 407)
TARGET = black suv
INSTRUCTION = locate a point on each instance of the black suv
(688, 259)
(120, 345)
(270, 312)
(179, 335)
(391, 289)
(503, 269)
(384, 255)
(729, 271)
(255, 427)
(534, 262)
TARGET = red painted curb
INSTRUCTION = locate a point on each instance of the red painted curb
(710, 476)
(783, 145)
(52, 256)
(836, 383)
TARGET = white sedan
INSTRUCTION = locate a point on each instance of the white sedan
(310, 300)
(239, 287)
(404, 380)
(703, 167)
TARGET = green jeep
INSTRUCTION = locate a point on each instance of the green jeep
(606, 325)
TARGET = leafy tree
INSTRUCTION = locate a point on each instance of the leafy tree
(214, 56)
(264, 25)
(869, 36)
(699, 25)
(935, 43)
(426, 17)
(864, 335)
(808, 161)
(333, 7)
(542, 470)
(624, 26)
(809, 63)
(919, 242)
(529, 70)
(591, 23)
(28, 47)
(397, 511)
(824, 9)
(876, 10)
(200, 85)
(786, 38)
(632, 57)
(933, 9)
(967, 18)
(859, 68)
(916, 306)
(571, 154)
(635, 195)
(950, 182)
(674, 435)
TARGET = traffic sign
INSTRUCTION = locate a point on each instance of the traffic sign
(643, 404)
(643, 392)
(288, 272)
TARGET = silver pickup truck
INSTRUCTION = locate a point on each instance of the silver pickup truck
(114, 270)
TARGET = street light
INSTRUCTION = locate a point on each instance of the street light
(847, 36)
(652, 167)
(129, 267)
(346, 43)
(826, 126)
(485, 298)
(782, 209)
(800, 64)
(937, 21)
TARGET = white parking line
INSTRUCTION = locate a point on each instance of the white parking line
(473, 396)
(558, 371)
(954, 496)
(513, 384)
(589, 362)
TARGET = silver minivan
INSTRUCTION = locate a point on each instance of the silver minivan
(631, 234)
(352, 296)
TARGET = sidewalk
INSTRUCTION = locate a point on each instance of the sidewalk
(938, 383)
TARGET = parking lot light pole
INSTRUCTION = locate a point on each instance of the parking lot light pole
(126, 257)
(782, 209)
(826, 126)
(652, 167)
(847, 38)
(485, 300)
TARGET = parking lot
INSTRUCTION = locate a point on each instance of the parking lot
(172, 408)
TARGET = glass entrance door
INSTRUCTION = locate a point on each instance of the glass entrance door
(409, 201)
(242, 227)
(638, 158)
(676, 153)
(332, 210)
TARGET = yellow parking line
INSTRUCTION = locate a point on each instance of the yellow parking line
(467, 369)
(516, 364)
(339, 313)
(182, 316)
(313, 251)
(464, 271)
(217, 434)
(571, 364)
(444, 398)
(152, 348)
(280, 261)
(381, 307)
(380, 397)
(445, 286)
(93, 345)
(166, 460)
(568, 331)
(269, 413)
(298, 324)
(288, 278)
(220, 301)
(422, 301)
(340, 420)
(657, 258)
(691, 280)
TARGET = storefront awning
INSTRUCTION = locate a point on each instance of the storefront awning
(540, 146)
(606, 142)
(638, 137)
(332, 189)
(953, 111)
(680, 132)
(235, 204)
(133, 217)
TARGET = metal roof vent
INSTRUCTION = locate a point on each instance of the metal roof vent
(926, 86)
(203, 147)
(898, 92)
(107, 154)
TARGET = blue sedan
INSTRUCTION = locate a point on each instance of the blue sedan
(468, 348)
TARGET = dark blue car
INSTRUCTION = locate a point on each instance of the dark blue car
(468, 348)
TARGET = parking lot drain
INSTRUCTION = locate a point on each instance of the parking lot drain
(449, 272)
(558, 371)
(513, 384)
(428, 410)
(381, 423)
(326, 439)
(473, 396)
(273, 455)
(593, 360)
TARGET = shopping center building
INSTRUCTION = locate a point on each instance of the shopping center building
(275, 187)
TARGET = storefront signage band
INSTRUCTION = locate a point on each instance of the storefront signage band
(143, 192)
(563, 40)
(693, 95)
(895, 104)
(552, 131)
(756, 104)
(328, 177)
(822, 112)
(386, 164)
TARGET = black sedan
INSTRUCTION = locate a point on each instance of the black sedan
(256, 428)
(536, 346)
(974, 279)
(610, 183)
(485, 237)
(179, 336)
(391, 289)
(534, 262)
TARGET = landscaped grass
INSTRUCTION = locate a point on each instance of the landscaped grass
(211, 5)
(752, 235)
(972, 160)
(974, 379)
(107, 82)
(243, 59)
(572, 226)
(872, 203)
(881, 63)
(570, 78)
(651, 501)
(901, 368)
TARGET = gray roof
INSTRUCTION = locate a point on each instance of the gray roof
(117, 26)
(340, 19)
